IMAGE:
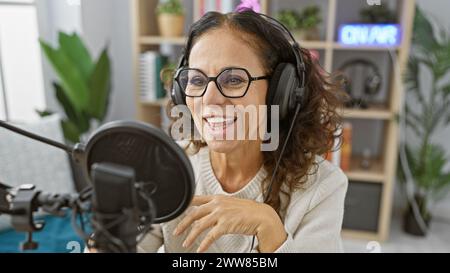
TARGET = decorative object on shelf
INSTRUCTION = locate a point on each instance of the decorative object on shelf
(346, 147)
(422, 161)
(84, 85)
(289, 18)
(378, 14)
(366, 160)
(381, 35)
(249, 4)
(361, 96)
(167, 74)
(334, 155)
(170, 14)
(305, 24)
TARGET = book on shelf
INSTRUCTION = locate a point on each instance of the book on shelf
(346, 147)
(341, 156)
(334, 156)
(151, 86)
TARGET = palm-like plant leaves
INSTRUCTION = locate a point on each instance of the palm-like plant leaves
(427, 161)
(100, 85)
(71, 79)
(84, 86)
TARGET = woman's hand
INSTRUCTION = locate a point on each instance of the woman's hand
(230, 215)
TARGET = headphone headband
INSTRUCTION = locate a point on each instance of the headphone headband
(300, 64)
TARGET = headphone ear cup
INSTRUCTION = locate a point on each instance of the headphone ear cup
(282, 87)
(177, 94)
(373, 85)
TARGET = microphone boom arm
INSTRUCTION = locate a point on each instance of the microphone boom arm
(45, 140)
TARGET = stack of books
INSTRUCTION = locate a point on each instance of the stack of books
(151, 86)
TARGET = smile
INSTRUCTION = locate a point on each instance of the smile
(217, 126)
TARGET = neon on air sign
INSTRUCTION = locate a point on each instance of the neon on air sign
(370, 34)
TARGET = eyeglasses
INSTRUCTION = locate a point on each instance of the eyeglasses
(232, 82)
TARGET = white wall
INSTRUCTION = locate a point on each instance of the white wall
(108, 22)
(55, 16)
(100, 23)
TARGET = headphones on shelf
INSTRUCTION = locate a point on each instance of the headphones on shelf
(286, 84)
(372, 82)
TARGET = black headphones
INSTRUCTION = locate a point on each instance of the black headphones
(372, 82)
(287, 82)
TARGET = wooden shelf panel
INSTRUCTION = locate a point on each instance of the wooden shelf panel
(339, 46)
(156, 40)
(314, 44)
(376, 112)
(374, 174)
(360, 235)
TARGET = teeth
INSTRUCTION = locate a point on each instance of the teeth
(219, 120)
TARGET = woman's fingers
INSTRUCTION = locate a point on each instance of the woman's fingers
(212, 236)
(195, 214)
(198, 227)
(199, 200)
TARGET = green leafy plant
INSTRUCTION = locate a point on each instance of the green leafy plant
(170, 6)
(84, 85)
(431, 56)
(309, 18)
(380, 14)
(289, 18)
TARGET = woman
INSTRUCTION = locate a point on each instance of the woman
(306, 203)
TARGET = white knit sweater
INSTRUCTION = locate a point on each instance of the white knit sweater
(313, 218)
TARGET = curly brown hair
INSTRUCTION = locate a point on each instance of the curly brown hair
(317, 124)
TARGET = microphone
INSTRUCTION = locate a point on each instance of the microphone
(137, 174)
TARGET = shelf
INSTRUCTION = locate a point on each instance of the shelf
(160, 102)
(360, 235)
(375, 174)
(314, 44)
(375, 112)
(339, 46)
(157, 40)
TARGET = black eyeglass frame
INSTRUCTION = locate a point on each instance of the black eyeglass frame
(214, 79)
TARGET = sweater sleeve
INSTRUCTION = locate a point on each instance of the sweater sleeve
(152, 241)
(320, 228)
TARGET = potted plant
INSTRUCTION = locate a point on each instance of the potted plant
(170, 16)
(289, 18)
(377, 14)
(310, 19)
(82, 91)
(423, 161)
(305, 24)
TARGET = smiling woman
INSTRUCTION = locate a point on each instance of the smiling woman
(288, 202)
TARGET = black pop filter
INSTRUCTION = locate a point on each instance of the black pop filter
(159, 163)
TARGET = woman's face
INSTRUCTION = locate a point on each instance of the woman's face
(212, 53)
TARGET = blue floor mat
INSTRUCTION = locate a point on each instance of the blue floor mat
(58, 236)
